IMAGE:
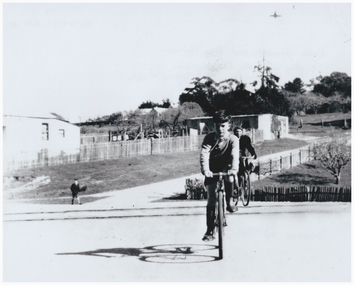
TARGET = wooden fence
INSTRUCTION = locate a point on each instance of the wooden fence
(113, 150)
(97, 138)
(277, 164)
(302, 194)
(30, 159)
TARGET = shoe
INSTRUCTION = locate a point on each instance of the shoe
(209, 236)
(231, 209)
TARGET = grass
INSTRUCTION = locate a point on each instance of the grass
(327, 118)
(108, 175)
(123, 173)
(312, 124)
(308, 174)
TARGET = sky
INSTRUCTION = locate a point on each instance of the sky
(89, 59)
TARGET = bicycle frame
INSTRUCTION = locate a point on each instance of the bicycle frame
(244, 181)
(220, 210)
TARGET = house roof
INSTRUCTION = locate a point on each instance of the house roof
(159, 110)
(232, 116)
(29, 114)
(33, 116)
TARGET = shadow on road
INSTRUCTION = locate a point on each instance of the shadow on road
(169, 253)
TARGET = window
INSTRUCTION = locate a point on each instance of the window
(246, 124)
(61, 133)
(45, 132)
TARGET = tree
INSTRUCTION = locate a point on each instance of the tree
(302, 103)
(333, 156)
(297, 86)
(170, 119)
(269, 99)
(337, 87)
(238, 102)
(313, 82)
(174, 118)
(166, 103)
(339, 102)
(190, 110)
(268, 79)
(315, 101)
(114, 118)
(337, 82)
(297, 102)
(207, 93)
(147, 105)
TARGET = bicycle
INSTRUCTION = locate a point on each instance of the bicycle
(220, 216)
(243, 192)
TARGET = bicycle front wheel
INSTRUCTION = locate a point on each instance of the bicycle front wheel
(220, 223)
(246, 190)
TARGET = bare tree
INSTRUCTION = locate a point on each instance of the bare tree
(174, 118)
(333, 156)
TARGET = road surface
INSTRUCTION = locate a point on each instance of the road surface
(135, 235)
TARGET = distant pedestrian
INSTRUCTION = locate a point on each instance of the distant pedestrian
(75, 189)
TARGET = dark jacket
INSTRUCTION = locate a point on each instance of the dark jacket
(245, 143)
(75, 189)
(219, 154)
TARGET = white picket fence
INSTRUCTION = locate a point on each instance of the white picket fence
(105, 150)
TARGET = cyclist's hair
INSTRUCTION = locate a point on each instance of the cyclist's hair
(221, 117)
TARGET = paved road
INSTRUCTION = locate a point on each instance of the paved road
(146, 238)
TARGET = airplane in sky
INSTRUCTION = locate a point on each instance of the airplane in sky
(275, 15)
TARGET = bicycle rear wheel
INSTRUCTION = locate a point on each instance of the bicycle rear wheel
(220, 221)
(246, 189)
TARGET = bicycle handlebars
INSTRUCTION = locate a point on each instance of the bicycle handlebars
(248, 157)
(221, 174)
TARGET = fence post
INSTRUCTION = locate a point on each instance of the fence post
(281, 163)
(300, 155)
(345, 124)
(291, 160)
(151, 146)
(270, 163)
(259, 170)
(308, 191)
(309, 153)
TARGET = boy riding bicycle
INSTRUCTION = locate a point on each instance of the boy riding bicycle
(220, 153)
(245, 144)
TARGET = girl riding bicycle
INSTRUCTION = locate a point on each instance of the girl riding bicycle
(220, 153)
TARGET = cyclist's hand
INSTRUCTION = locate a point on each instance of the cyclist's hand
(208, 173)
(255, 156)
(232, 172)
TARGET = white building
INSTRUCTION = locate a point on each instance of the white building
(267, 126)
(38, 140)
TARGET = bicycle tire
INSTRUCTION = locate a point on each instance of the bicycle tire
(220, 223)
(246, 187)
